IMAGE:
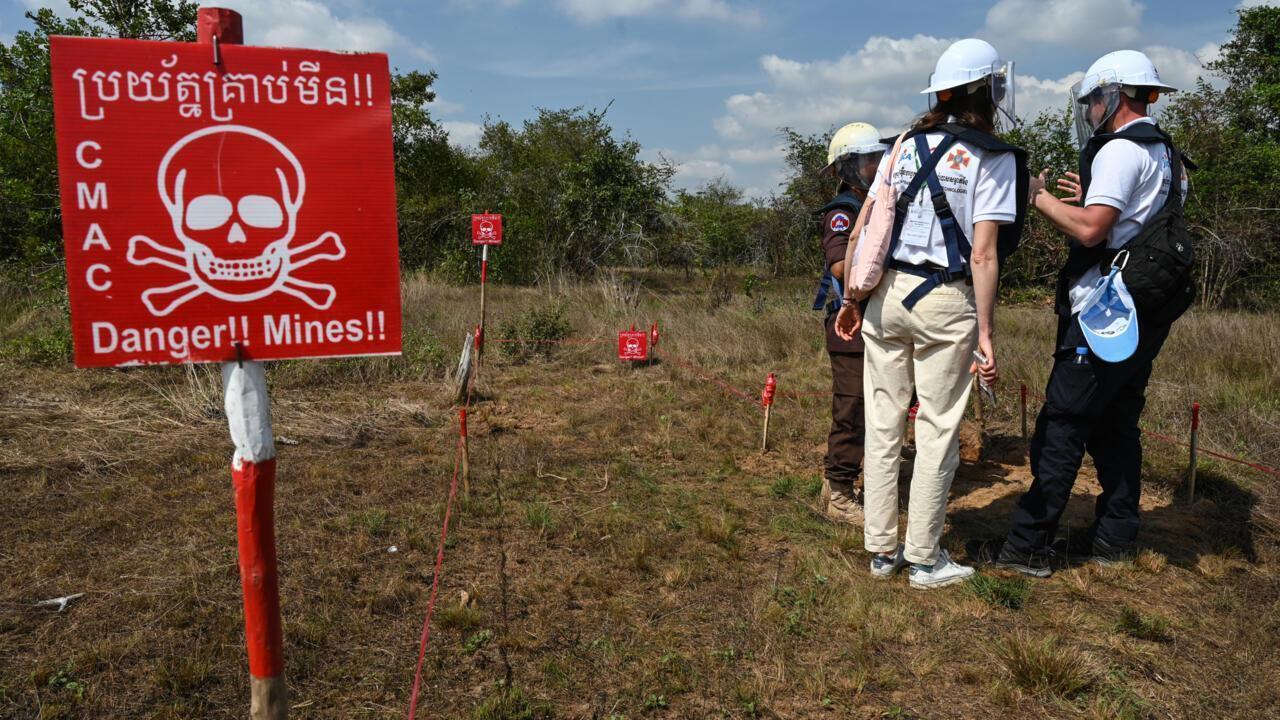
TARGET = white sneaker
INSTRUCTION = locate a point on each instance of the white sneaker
(942, 573)
(884, 567)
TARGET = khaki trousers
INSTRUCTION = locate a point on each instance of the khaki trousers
(929, 349)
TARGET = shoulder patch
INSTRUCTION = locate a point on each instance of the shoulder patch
(839, 222)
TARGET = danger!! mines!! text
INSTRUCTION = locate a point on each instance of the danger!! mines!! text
(284, 329)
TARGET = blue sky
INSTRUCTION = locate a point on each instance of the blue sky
(706, 83)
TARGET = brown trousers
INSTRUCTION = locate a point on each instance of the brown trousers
(844, 442)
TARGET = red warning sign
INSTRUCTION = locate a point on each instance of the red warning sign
(633, 345)
(249, 203)
(486, 229)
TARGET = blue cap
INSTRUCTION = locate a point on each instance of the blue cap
(1109, 319)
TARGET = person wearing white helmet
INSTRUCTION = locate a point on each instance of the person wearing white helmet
(961, 202)
(852, 157)
(1095, 394)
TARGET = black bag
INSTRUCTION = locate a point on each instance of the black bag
(1156, 264)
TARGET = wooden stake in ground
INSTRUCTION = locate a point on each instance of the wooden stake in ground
(977, 403)
(484, 274)
(1195, 450)
(766, 399)
(1024, 413)
(462, 376)
(466, 453)
(253, 474)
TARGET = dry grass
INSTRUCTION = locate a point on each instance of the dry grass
(658, 565)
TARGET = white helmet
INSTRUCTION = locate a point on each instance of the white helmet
(966, 62)
(1123, 67)
(854, 148)
(969, 64)
(1122, 71)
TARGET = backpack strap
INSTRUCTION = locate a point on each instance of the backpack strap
(907, 196)
(957, 245)
(843, 200)
(1172, 200)
(830, 283)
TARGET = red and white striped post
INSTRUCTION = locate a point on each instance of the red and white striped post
(484, 278)
(253, 476)
(766, 399)
(1195, 450)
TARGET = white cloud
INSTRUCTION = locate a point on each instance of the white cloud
(478, 3)
(614, 62)
(462, 133)
(60, 7)
(698, 172)
(312, 24)
(594, 11)
(440, 107)
(757, 155)
(1086, 24)
(878, 83)
(1180, 68)
(1035, 95)
(693, 169)
(303, 24)
(1257, 3)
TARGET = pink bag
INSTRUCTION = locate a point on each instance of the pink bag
(873, 247)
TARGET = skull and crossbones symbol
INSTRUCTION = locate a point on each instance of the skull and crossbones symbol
(235, 219)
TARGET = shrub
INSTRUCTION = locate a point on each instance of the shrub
(534, 332)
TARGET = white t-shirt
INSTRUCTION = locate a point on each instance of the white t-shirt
(977, 187)
(1133, 178)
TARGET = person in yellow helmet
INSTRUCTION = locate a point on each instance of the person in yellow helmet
(852, 157)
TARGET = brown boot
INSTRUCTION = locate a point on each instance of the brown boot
(843, 502)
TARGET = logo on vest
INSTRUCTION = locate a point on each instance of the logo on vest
(839, 222)
(958, 159)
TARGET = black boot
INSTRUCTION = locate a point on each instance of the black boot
(997, 553)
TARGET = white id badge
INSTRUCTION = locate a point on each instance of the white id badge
(917, 230)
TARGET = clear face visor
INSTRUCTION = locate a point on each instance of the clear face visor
(858, 169)
(1092, 110)
(1004, 96)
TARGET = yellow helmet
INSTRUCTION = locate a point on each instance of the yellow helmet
(852, 148)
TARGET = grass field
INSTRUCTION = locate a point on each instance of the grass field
(626, 550)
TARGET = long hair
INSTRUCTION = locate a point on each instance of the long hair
(972, 110)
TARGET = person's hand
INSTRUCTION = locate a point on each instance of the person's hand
(1036, 185)
(1071, 186)
(987, 374)
(849, 321)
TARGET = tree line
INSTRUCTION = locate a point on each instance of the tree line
(578, 197)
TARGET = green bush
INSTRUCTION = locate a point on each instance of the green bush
(535, 332)
(48, 345)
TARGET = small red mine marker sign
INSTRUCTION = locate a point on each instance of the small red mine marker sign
(486, 229)
(633, 345)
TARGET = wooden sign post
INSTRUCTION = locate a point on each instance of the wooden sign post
(486, 230)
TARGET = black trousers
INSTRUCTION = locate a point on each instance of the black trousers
(848, 427)
(1091, 407)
